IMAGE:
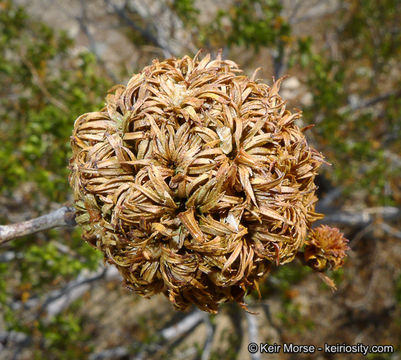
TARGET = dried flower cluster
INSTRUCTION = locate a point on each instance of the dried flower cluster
(193, 180)
(325, 248)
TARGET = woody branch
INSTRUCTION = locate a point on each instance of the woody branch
(65, 216)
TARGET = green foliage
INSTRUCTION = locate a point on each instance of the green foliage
(358, 138)
(252, 24)
(284, 277)
(64, 338)
(375, 26)
(43, 90)
(186, 10)
(281, 280)
(292, 318)
(53, 264)
(256, 23)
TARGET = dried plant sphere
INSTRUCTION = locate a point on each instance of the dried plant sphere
(325, 248)
(194, 180)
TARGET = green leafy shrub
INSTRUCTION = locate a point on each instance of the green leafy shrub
(44, 88)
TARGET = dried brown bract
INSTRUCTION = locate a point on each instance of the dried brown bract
(194, 180)
(325, 248)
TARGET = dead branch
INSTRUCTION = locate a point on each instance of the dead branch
(62, 217)
(8, 256)
(210, 332)
(189, 353)
(326, 203)
(316, 12)
(83, 21)
(363, 104)
(7, 337)
(144, 33)
(117, 352)
(296, 6)
(65, 217)
(175, 331)
(390, 230)
(362, 218)
(186, 324)
(253, 333)
(59, 299)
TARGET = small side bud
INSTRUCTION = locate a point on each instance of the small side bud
(325, 249)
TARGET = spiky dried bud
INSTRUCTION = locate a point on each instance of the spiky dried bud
(194, 180)
(325, 248)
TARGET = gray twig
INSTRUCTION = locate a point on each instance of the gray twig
(186, 324)
(317, 12)
(253, 333)
(327, 201)
(12, 337)
(210, 331)
(390, 230)
(144, 33)
(59, 299)
(62, 217)
(83, 24)
(8, 256)
(116, 352)
(364, 217)
(177, 330)
(359, 105)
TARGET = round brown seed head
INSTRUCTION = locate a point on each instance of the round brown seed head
(194, 180)
(325, 248)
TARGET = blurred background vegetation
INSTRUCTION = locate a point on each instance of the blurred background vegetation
(343, 61)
